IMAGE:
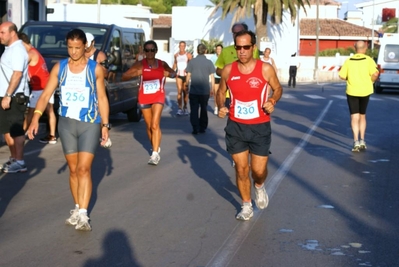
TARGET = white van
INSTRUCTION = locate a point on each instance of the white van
(388, 63)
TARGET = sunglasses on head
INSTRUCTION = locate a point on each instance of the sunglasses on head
(239, 47)
(150, 50)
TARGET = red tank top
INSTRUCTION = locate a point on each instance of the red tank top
(38, 74)
(248, 94)
(152, 84)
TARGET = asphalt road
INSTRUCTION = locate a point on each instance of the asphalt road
(328, 206)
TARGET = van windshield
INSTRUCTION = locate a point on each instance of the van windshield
(50, 39)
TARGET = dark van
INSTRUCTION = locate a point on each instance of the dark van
(119, 44)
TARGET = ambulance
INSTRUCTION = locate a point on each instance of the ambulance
(388, 63)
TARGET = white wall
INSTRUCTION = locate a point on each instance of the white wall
(372, 11)
(89, 13)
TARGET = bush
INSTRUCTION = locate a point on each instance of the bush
(211, 44)
(346, 52)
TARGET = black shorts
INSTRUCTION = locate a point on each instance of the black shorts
(12, 119)
(253, 137)
(183, 78)
(217, 80)
(357, 104)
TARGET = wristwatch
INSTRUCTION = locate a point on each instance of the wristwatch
(107, 125)
(8, 95)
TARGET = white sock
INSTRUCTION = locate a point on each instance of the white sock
(260, 187)
(21, 162)
(83, 211)
(76, 206)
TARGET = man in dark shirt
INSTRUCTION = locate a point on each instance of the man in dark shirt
(200, 72)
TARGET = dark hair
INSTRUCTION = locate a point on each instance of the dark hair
(219, 45)
(23, 37)
(76, 34)
(151, 42)
(250, 33)
(243, 24)
(13, 28)
(201, 48)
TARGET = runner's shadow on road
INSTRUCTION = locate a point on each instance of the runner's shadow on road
(203, 163)
(116, 252)
(12, 183)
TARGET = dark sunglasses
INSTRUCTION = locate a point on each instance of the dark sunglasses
(239, 47)
(149, 50)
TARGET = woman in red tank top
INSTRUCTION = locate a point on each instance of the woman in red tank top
(151, 94)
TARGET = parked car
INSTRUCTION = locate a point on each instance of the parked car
(118, 43)
(388, 63)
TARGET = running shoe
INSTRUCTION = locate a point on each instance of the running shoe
(154, 159)
(6, 164)
(179, 112)
(362, 145)
(356, 146)
(261, 197)
(14, 167)
(185, 112)
(246, 212)
(216, 111)
(49, 139)
(73, 219)
(83, 223)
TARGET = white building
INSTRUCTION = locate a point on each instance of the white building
(371, 12)
(121, 15)
(20, 11)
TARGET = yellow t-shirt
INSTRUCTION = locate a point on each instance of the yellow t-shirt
(229, 55)
(357, 71)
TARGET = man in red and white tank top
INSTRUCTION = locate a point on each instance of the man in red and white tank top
(38, 75)
(248, 131)
(181, 60)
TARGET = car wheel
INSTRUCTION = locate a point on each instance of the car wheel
(134, 115)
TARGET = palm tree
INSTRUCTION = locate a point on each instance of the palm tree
(260, 9)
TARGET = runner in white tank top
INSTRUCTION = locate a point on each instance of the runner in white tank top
(181, 59)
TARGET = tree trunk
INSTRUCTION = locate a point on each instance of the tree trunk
(260, 21)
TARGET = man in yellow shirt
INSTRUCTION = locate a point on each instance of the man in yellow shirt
(229, 54)
(360, 72)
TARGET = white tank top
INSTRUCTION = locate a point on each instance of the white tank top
(75, 93)
(267, 60)
(181, 64)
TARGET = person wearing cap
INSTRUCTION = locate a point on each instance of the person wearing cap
(93, 53)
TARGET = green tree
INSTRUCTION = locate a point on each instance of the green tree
(260, 10)
(391, 26)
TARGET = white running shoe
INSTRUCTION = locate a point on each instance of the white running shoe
(216, 111)
(83, 223)
(362, 145)
(73, 219)
(261, 197)
(179, 112)
(356, 146)
(154, 159)
(246, 212)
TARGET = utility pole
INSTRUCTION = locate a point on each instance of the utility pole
(372, 29)
(98, 11)
(316, 58)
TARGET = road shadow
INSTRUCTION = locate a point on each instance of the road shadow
(12, 183)
(116, 252)
(203, 163)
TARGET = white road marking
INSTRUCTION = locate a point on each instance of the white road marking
(315, 97)
(237, 237)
